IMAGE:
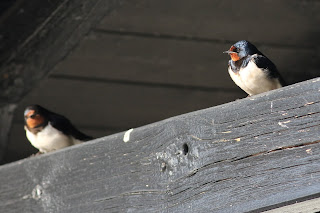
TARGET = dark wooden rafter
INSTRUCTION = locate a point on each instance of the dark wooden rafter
(35, 36)
(252, 154)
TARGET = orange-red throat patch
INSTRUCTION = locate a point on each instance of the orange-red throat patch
(234, 56)
(33, 120)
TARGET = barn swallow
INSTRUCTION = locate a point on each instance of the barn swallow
(251, 70)
(49, 131)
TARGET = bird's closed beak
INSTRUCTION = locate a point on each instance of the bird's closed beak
(228, 51)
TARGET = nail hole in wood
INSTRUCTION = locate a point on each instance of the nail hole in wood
(163, 166)
(185, 148)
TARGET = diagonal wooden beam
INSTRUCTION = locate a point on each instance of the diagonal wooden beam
(256, 153)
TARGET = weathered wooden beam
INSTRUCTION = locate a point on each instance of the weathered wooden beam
(252, 154)
(307, 206)
(35, 36)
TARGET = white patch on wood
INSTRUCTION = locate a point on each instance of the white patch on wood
(37, 192)
(309, 103)
(283, 125)
(195, 137)
(126, 136)
(309, 151)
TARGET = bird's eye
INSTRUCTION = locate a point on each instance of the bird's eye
(32, 116)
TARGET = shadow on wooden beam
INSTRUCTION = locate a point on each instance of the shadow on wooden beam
(255, 153)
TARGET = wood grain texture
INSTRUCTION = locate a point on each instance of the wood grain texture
(148, 60)
(303, 207)
(277, 23)
(237, 157)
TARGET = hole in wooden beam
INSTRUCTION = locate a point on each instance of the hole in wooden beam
(185, 149)
(163, 166)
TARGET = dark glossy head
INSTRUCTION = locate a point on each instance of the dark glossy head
(35, 116)
(241, 49)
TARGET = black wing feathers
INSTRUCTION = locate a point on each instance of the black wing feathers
(64, 125)
(264, 63)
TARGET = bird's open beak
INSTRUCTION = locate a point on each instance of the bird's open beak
(228, 51)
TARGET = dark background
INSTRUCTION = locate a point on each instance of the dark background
(153, 59)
